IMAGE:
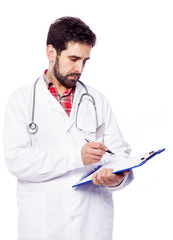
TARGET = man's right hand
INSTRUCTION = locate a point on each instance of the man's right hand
(92, 152)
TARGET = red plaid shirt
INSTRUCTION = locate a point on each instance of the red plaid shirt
(66, 100)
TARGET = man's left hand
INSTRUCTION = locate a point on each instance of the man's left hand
(106, 178)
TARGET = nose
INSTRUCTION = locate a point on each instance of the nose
(78, 68)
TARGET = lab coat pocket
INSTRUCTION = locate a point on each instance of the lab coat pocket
(31, 214)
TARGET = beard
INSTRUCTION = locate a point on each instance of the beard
(64, 80)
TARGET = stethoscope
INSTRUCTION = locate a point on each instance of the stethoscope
(33, 127)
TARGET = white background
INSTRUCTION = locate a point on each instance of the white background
(132, 66)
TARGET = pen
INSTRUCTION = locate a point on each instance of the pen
(108, 151)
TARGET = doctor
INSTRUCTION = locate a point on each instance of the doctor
(48, 162)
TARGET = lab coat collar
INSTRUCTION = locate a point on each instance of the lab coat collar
(44, 97)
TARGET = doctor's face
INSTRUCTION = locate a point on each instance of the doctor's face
(69, 65)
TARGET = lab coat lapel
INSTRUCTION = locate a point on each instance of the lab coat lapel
(44, 97)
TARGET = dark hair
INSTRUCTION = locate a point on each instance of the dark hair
(67, 29)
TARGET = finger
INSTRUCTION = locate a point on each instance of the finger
(97, 145)
(109, 173)
(94, 179)
(92, 160)
(106, 174)
(101, 176)
(123, 173)
(91, 155)
(119, 177)
(108, 177)
(97, 152)
(126, 172)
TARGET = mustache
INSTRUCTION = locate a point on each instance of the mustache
(74, 75)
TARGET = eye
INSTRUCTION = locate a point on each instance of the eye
(73, 59)
(84, 62)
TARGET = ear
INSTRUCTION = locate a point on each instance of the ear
(51, 53)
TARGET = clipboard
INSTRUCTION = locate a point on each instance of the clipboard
(120, 166)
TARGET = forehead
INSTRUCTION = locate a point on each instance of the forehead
(81, 50)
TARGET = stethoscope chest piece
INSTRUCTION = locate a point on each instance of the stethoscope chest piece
(32, 128)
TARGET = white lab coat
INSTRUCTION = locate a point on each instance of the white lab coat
(48, 163)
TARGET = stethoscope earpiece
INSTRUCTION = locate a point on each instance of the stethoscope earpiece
(32, 128)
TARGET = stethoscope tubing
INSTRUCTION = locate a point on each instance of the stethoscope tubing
(33, 127)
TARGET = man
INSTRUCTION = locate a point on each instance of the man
(47, 163)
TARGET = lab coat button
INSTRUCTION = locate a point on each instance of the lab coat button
(72, 172)
(73, 218)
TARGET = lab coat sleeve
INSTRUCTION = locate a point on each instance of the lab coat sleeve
(114, 140)
(127, 180)
(23, 160)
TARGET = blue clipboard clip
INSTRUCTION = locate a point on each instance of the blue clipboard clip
(144, 159)
(149, 155)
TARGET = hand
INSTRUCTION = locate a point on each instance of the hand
(92, 152)
(106, 178)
